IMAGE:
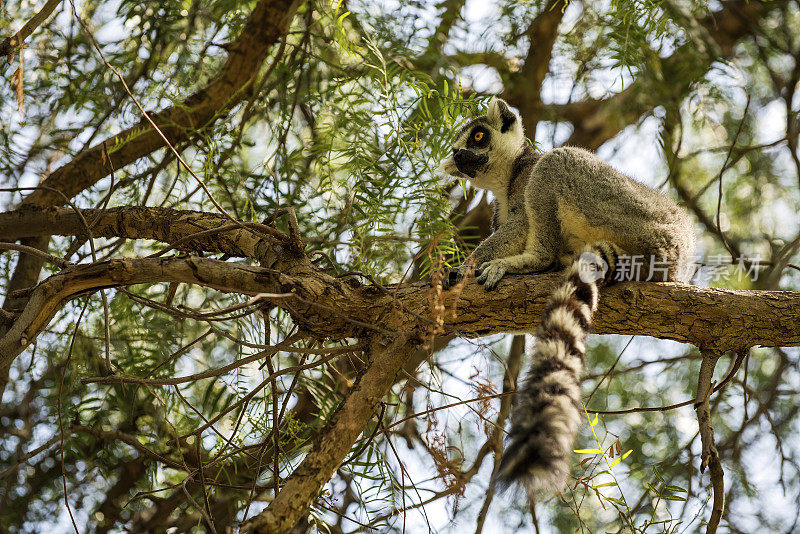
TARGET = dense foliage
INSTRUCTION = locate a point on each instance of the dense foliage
(346, 121)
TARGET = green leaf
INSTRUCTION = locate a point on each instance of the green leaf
(676, 488)
(604, 485)
(658, 475)
(618, 460)
(340, 18)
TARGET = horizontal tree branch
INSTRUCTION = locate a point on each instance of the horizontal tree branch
(329, 307)
(192, 231)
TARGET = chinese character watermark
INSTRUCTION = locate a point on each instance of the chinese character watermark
(714, 268)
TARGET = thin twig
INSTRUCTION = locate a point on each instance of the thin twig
(202, 510)
(710, 456)
(9, 44)
(728, 378)
(27, 456)
(722, 171)
(55, 260)
(126, 379)
(60, 415)
(275, 422)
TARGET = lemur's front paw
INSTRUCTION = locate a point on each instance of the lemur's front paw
(490, 274)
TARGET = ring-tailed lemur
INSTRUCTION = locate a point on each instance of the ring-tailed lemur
(562, 208)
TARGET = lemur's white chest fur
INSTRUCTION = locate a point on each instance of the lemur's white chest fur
(496, 179)
(500, 193)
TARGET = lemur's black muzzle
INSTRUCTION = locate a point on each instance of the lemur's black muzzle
(469, 162)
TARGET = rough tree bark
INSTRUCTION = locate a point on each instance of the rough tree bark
(332, 308)
(595, 121)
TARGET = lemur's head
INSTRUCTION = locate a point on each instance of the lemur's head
(486, 147)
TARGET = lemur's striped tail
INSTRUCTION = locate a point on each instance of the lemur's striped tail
(548, 410)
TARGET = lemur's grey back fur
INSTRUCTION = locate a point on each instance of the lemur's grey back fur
(548, 209)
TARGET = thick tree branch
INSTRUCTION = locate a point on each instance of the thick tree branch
(451, 13)
(526, 85)
(335, 308)
(268, 22)
(108, 511)
(190, 231)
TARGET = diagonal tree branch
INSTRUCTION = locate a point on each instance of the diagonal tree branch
(336, 439)
(451, 13)
(10, 44)
(525, 86)
(268, 22)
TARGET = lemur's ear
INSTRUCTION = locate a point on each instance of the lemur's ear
(501, 115)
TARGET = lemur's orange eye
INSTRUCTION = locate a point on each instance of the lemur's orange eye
(477, 136)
